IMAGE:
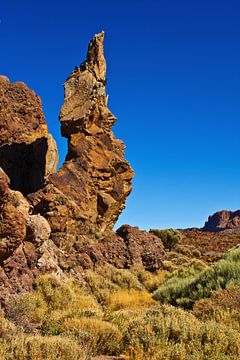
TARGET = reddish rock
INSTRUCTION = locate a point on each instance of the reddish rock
(128, 248)
(223, 220)
(144, 248)
(28, 154)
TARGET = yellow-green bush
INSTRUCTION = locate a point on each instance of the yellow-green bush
(125, 298)
(7, 329)
(171, 333)
(107, 279)
(51, 302)
(41, 348)
(100, 337)
(151, 281)
(27, 311)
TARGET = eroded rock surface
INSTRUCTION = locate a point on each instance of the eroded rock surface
(62, 222)
(28, 153)
(88, 193)
(223, 220)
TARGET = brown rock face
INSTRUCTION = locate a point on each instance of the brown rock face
(62, 222)
(223, 220)
(88, 193)
(128, 248)
(28, 153)
(95, 157)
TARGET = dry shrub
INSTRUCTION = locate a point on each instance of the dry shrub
(171, 333)
(27, 311)
(125, 298)
(99, 336)
(56, 293)
(223, 307)
(151, 281)
(51, 302)
(7, 329)
(107, 279)
(121, 277)
(124, 317)
(41, 348)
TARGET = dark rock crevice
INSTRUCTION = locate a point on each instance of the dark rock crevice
(25, 165)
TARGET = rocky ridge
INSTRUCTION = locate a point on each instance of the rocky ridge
(223, 220)
(62, 222)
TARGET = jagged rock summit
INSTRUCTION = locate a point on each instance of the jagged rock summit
(62, 221)
(223, 220)
(90, 189)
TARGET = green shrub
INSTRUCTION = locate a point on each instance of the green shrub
(186, 291)
(170, 237)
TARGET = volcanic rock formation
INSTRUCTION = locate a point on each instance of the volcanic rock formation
(223, 220)
(28, 153)
(62, 222)
(88, 193)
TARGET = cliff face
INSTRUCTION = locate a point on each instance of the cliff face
(62, 221)
(223, 220)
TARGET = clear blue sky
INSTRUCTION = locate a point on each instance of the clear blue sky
(174, 84)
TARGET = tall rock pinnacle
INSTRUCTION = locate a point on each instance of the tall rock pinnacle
(95, 179)
(84, 106)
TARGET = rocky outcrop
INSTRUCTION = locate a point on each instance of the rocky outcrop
(88, 193)
(128, 248)
(24, 242)
(62, 222)
(223, 220)
(28, 153)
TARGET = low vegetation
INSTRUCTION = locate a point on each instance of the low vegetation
(170, 237)
(190, 312)
(186, 290)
